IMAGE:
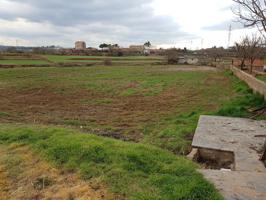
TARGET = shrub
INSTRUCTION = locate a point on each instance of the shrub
(172, 57)
(107, 62)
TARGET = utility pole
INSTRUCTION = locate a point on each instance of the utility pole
(229, 36)
(202, 41)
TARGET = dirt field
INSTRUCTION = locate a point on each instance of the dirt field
(129, 103)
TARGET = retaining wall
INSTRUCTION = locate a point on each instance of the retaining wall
(255, 84)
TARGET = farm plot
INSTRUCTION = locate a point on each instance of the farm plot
(23, 62)
(100, 59)
(150, 104)
(32, 59)
(23, 59)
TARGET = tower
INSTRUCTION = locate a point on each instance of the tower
(80, 45)
(229, 36)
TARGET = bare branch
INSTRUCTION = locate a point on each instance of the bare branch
(252, 13)
(249, 49)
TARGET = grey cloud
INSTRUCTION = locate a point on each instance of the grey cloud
(121, 20)
(68, 12)
(225, 26)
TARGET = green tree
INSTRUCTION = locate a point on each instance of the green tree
(147, 44)
(104, 45)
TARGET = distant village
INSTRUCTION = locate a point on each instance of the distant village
(80, 48)
(214, 56)
(114, 49)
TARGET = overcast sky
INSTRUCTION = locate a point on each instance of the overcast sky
(166, 23)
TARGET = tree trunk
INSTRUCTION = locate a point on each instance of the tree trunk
(242, 64)
(263, 157)
(251, 65)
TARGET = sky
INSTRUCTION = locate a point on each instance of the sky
(192, 24)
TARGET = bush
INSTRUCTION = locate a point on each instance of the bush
(172, 57)
(107, 62)
(120, 54)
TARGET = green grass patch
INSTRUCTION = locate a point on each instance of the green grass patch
(261, 77)
(4, 114)
(58, 58)
(131, 170)
(23, 62)
(238, 106)
(176, 132)
(128, 92)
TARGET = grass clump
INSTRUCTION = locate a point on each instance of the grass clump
(134, 171)
(13, 164)
(262, 77)
(174, 133)
(42, 182)
(240, 105)
(4, 114)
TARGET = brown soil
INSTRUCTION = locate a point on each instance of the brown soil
(125, 115)
(34, 179)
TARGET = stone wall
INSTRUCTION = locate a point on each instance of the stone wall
(255, 84)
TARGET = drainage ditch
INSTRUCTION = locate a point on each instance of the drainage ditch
(213, 159)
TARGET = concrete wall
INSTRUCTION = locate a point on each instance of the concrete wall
(254, 83)
(224, 159)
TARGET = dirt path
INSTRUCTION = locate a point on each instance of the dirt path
(25, 177)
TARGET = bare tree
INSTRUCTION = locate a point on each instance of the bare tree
(216, 53)
(241, 51)
(249, 48)
(254, 48)
(252, 13)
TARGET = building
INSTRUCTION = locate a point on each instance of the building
(139, 49)
(142, 49)
(188, 60)
(80, 45)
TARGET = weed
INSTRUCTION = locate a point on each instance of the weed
(13, 165)
(42, 183)
(4, 114)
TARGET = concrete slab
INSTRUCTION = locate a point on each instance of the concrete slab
(236, 135)
(245, 139)
(238, 185)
